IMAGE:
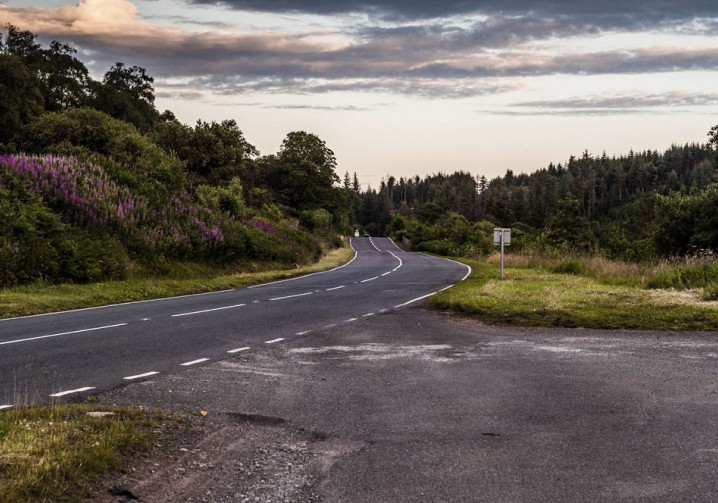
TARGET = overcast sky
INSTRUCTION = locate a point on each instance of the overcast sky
(408, 87)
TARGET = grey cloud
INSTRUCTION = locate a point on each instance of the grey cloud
(633, 104)
(437, 58)
(593, 112)
(346, 108)
(673, 99)
(649, 10)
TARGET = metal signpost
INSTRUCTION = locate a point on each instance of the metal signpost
(502, 237)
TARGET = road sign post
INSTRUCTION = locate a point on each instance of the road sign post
(502, 237)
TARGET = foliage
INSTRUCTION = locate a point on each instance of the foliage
(36, 245)
(84, 131)
(212, 152)
(89, 199)
(20, 97)
(687, 223)
(626, 207)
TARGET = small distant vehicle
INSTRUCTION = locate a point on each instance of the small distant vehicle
(366, 235)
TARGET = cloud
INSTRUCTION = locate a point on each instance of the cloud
(647, 10)
(441, 57)
(621, 101)
(619, 104)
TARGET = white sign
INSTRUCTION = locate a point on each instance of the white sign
(498, 231)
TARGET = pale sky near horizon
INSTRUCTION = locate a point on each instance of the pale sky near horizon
(407, 87)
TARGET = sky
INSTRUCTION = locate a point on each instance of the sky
(414, 87)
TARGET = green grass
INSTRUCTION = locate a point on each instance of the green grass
(172, 280)
(54, 454)
(532, 294)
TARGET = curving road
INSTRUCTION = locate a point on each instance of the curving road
(68, 354)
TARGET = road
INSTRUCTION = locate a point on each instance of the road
(416, 406)
(71, 354)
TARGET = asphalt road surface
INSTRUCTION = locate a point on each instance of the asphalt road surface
(68, 355)
(411, 405)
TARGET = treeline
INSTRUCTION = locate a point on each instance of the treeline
(93, 178)
(637, 206)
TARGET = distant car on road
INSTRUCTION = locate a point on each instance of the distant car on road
(366, 235)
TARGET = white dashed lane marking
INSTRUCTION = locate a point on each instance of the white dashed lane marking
(140, 376)
(292, 296)
(370, 279)
(63, 333)
(70, 391)
(335, 288)
(274, 340)
(208, 310)
(304, 333)
(415, 300)
(237, 350)
(194, 362)
(350, 320)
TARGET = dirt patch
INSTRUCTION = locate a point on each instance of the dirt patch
(234, 457)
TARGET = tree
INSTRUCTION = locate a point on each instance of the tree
(127, 94)
(20, 97)
(304, 178)
(65, 79)
(568, 229)
(713, 136)
(214, 152)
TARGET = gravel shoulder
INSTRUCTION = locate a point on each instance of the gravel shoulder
(418, 406)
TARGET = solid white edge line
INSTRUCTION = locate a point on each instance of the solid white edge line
(401, 262)
(117, 304)
(70, 391)
(237, 350)
(446, 288)
(207, 310)
(140, 376)
(292, 296)
(194, 362)
(454, 261)
(370, 279)
(415, 300)
(335, 288)
(63, 333)
(3, 407)
(356, 253)
(386, 273)
(279, 339)
(397, 246)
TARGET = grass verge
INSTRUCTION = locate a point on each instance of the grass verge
(182, 279)
(534, 295)
(55, 453)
